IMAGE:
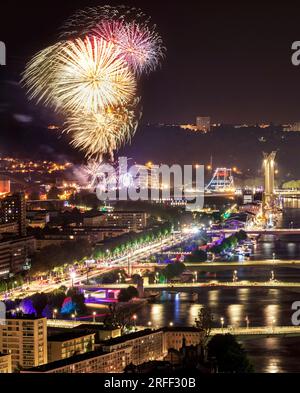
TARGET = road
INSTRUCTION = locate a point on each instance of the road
(133, 256)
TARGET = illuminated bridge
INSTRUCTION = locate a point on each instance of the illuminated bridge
(259, 331)
(259, 231)
(237, 331)
(185, 287)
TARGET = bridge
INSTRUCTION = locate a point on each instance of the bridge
(259, 231)
(287, 193)
(267, 262)
(259, 331)
(186, 287)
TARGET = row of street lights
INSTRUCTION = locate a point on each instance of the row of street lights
(222, 320)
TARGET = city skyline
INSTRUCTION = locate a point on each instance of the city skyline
(149, 190)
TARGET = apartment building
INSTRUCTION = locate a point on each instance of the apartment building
(25, 338)
(90, 362)
(65, 345)
(145, 345)
(133, 220)
(14, 252)
(5, 364)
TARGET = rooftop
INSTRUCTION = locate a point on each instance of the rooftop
(130, 336)
(66, 336)
(10, 316)
(90, 327)
(65, 362)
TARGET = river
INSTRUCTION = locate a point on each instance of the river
(260, 305)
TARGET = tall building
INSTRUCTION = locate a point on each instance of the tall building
(13, 210)
(5, 364)
(14, 253)
(203, 123)
(133, 220)
(25, 338)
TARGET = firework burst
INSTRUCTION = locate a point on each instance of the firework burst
(128, 28)
(139, 45)
(39, 74)
(92, 75)
(100, 133)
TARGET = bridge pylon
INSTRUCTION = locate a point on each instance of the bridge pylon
(269, 197)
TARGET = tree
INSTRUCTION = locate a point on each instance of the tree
(126, 294)
(204, 325)
(118, 318)
(39, 301)
(228, 354)
(197, 256)
(78, 299)
(56, 298)
(174, 270)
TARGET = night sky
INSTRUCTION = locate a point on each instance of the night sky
(229, 60)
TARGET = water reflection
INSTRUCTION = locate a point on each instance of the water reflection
(271, 315)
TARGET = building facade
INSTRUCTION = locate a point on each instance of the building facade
(5, 364)
(91, 362)
(25, 338)
(145, 345)
(13, 210)
(13, 254)
(173, 337)
(133, 220)
(65, 345)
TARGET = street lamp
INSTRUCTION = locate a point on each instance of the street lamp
(196, 275)
(72, 275)
(171, 324)
(273, 324)
(94, 316)
(149, 323)
(274, 256)
(54, 313)
(234, 276)
(247, 321)
(73, 317)
(272, 275)
(157, 277)
(222, 324)
(134, 319)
